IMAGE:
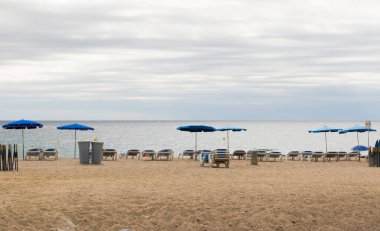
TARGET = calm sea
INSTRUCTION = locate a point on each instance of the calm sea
(124, 135)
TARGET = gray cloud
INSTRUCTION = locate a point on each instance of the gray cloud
(203, 60)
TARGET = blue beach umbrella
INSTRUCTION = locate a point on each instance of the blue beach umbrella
(227, 129)
(357, 129)
(196, 129)
(325, 129)
(359, 148)
(22, 124)
(75, 127)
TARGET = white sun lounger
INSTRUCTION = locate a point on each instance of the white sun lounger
(305, 155)
(34, 152)
(331, 154)
(352, 154)
(148, 154)
(219, 156)
(316, 156)
(274, 155)
(133, 153)
(168, 153)
(189, 153)
(293, 155)
(342, 155)
(50, 152)
(109, 153)
(240, 154)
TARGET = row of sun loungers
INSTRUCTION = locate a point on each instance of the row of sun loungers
(315, 156)
(267, 155)
(165, 154)
(41, 154)
(262, 155)
(52, 154)
(238, 154)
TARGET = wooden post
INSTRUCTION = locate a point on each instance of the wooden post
(10, 159)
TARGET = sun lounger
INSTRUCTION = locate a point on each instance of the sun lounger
(109, 153)
(352, 154)
(133, 153)
(342, 155)
(50, 152)
(305, 155)
(168, 153)
(219, 156)
(148, 154)
(293, 154)
(189, 153)
(204, 157)
(316, 156)
(34, 152)
(274, 155)
(330, 155)
(261, 154)
(240, 154)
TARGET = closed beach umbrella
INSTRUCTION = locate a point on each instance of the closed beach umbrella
(325, 129)
(227, 129)
(22, 124)
(75, 127)
(196, 129)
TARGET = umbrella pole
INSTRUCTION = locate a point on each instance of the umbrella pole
(228, 142)
(368, 138)
(196, 141)
(357, 136)
(75, 144)
(23, 150)
(326, 140)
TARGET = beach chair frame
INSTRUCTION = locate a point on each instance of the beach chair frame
(168, 153)
(112, 153)
(150, 154)
(34, 153)
(133, 153)
(240, 154)
(46, 154)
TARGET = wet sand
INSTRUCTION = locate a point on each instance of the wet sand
(180, 195)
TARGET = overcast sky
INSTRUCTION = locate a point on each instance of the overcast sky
(198, 59)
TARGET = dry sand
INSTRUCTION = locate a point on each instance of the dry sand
(180, 195)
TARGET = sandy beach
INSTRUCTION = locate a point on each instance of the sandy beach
(180, 195)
